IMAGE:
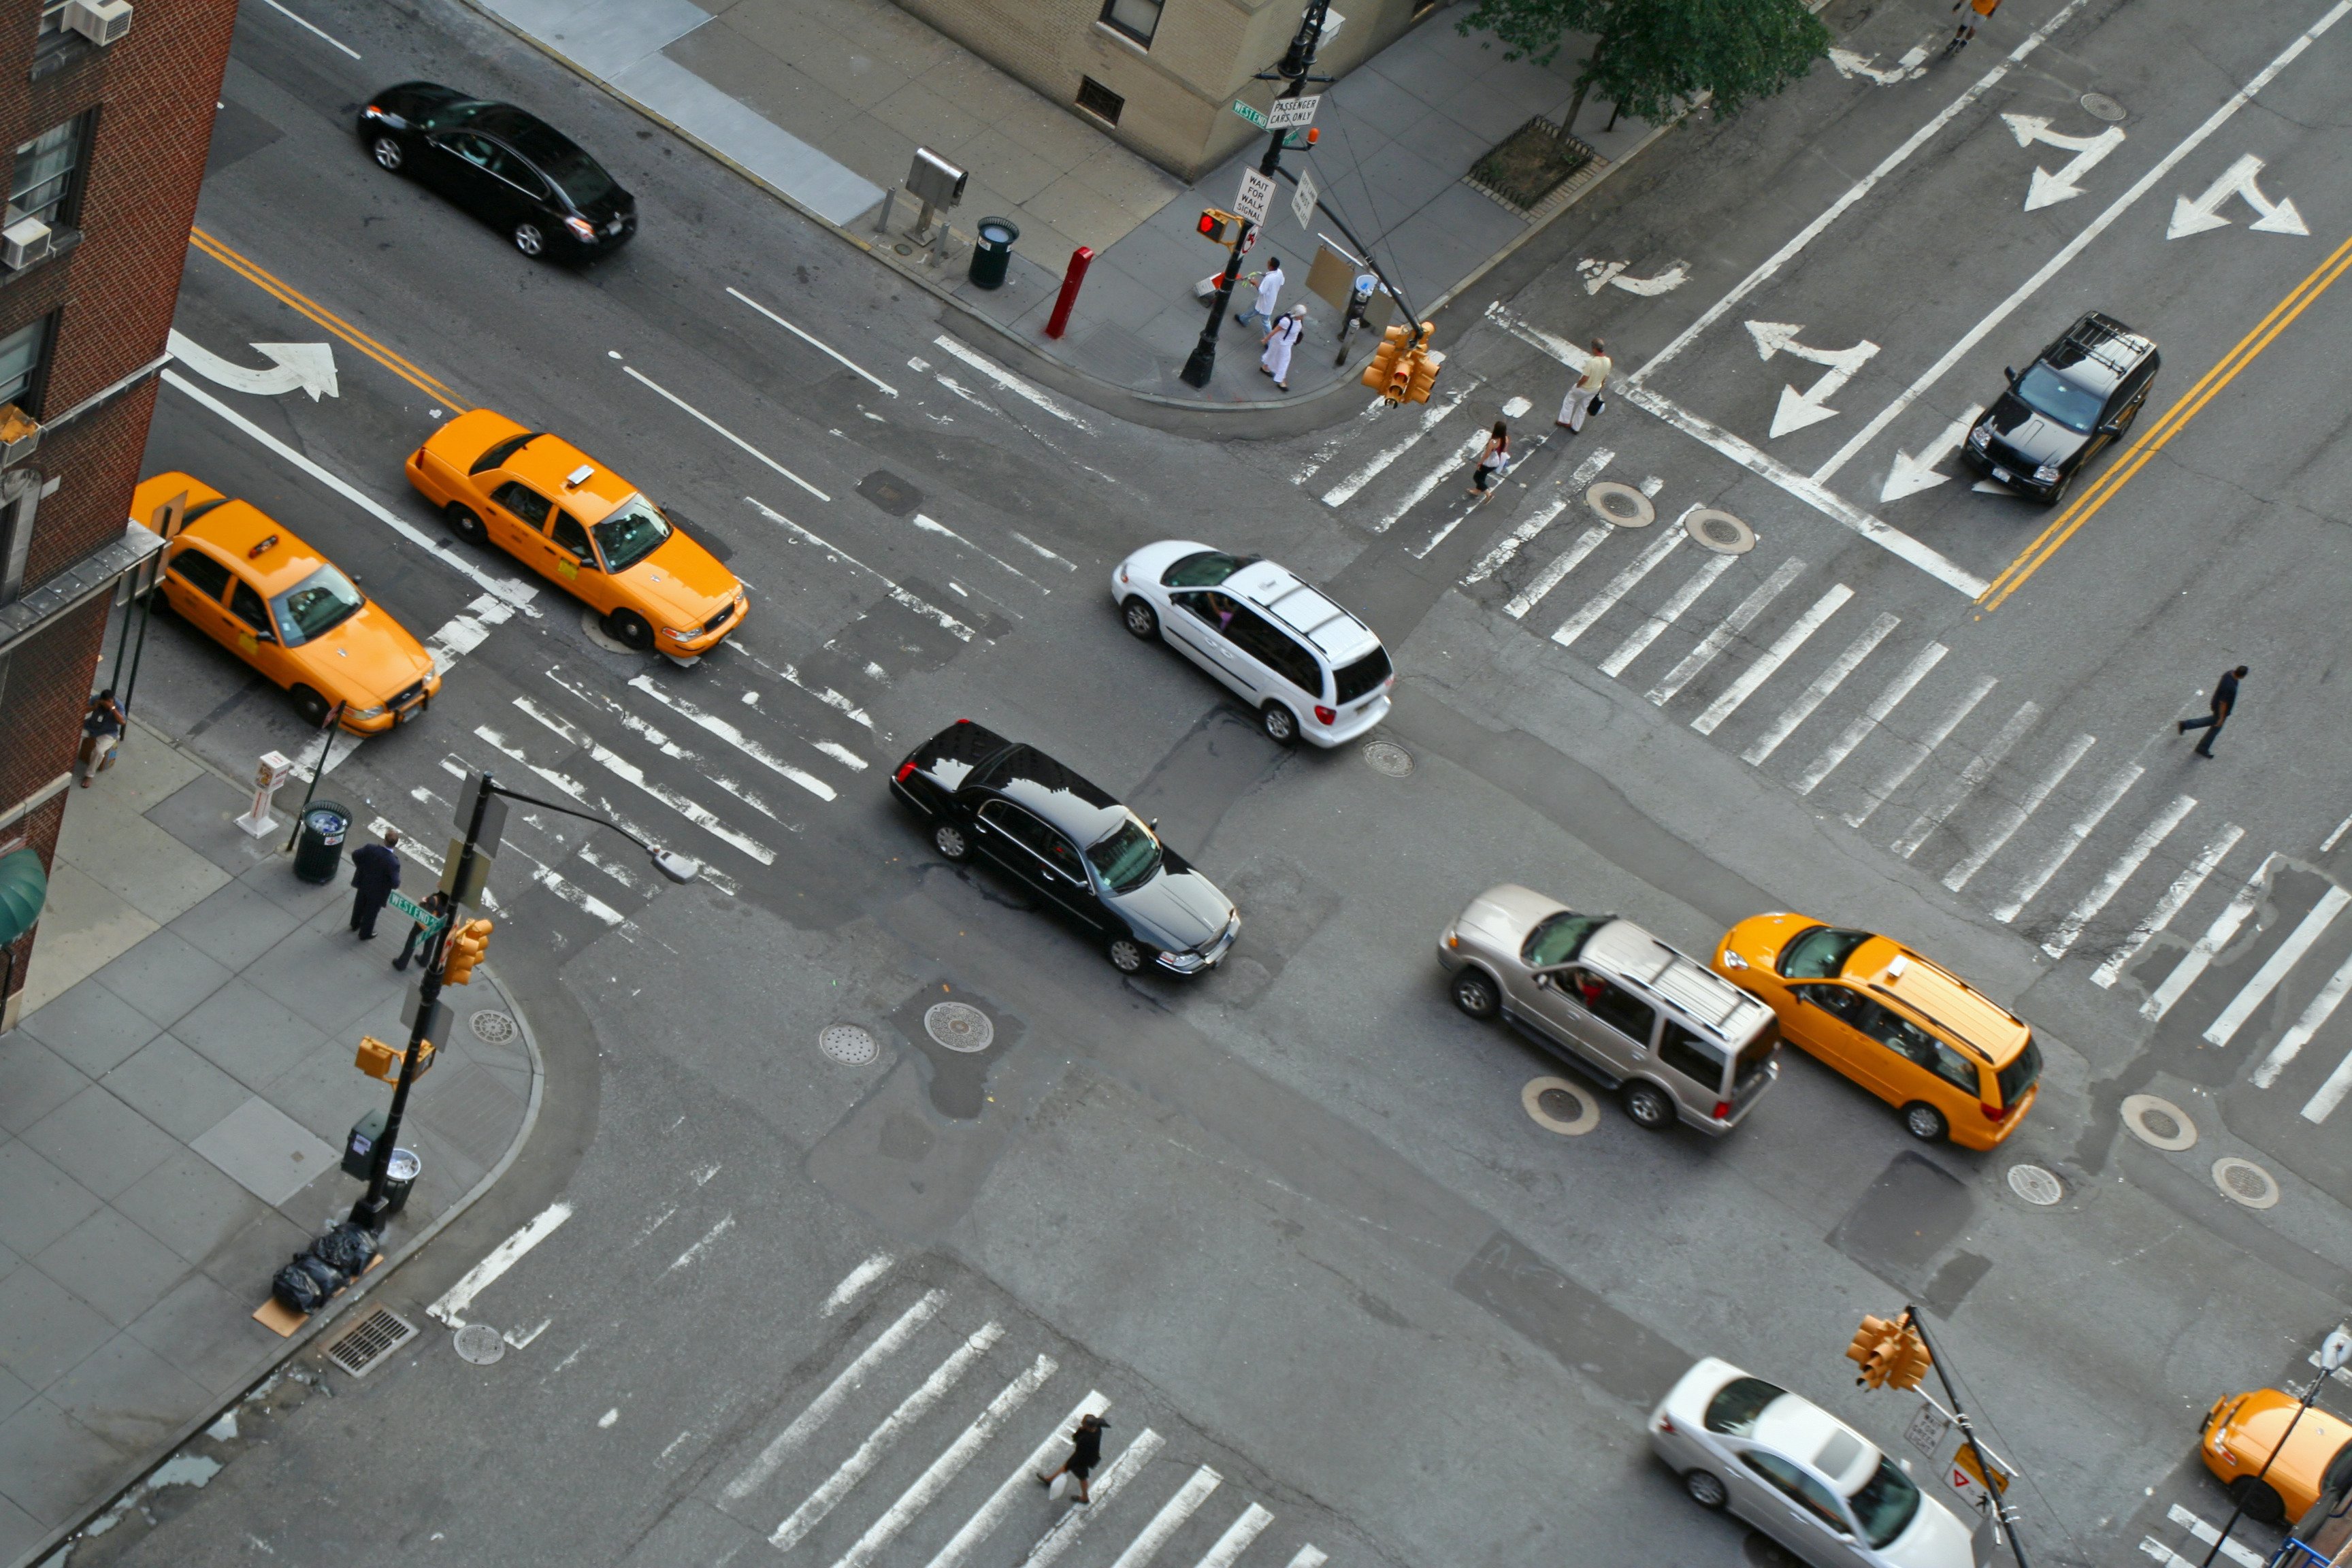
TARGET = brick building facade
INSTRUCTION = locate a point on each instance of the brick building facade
(105, 145)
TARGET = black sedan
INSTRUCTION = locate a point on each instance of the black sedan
(1083, 853)
(2079, 394)
(505, 165)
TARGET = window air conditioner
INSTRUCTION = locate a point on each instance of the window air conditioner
(100, 21)
(23, 242)
(20, 434)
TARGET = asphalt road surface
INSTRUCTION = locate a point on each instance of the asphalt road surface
(1294, 1226)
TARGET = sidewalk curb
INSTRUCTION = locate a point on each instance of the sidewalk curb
(329, 1317)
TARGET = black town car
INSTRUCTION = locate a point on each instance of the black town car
(2079, 394)
(503, 164)
(1083, 853)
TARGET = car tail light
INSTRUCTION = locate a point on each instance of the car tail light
(905, 768)
(1325, 715)
(1722, 1109)
(1994, 1112)
(1666, 1424)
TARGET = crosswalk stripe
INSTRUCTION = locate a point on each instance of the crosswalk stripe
(660, 741)
(1921, 750)
(885, 1437)
(1169, 1519)
(853, 1283)
(2223, 1029)
(1814, 696)
(1345, 490)
(2134, 855)
(948, 1465)
(1430, 481)
(1329, 449)
(1617, 587)
(1639, 639)
(1858, 731)
(2322, 1008)
(1309, 1557)
(2117, 785)
(1965, 782)
(2207, 1534)
(620, 767)
(990, 1514)
(2017, 815)
(1066, 1531)
(1236, 1539)
(819, 1410)
(737, 739)
(1494, 559)
(898, 595)
(1711, 647)
(2225, 925)
(1768, 663)
(2320, 1105)
(1557, 567)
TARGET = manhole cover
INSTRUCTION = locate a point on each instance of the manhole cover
(2244, 1182)
(1719, 532)
(493, 1028)
(848, 1044)
(2158, 1123)
(1560, 1106)
(1388, 757)
(889, 492)
(959, 1025)
(2103, 107)
(1621, 504)
(2035, 1185)
(478, 1343)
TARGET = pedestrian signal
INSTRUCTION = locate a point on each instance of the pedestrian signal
(468, 944)
(1224, 227)
(1390, 372)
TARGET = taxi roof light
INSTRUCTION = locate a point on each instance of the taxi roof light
(579, 476)
(262, 549)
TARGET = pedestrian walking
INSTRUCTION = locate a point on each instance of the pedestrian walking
(1360, 300)
(101, 732)
(1584, 398)
(375, 872)
(1279, 340)
(1491, 462)
(1269, 291)
(2225, 702)
(1980, 9)
(436, 903)
(1086, 1453)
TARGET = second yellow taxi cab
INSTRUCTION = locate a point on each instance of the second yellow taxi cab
(550, 506)
(1954, 1062)
(2242, 1433)
(251, 585)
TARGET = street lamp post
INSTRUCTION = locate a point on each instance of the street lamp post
(2334, 1353)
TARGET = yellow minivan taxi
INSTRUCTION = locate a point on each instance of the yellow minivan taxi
(556, 509)
(2243, 1433)
(1954, 1062)
(251, 585)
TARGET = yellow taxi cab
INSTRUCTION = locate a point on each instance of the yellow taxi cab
(556, 509)
(251, 585)
(1957, 1064)
(2239, 1435)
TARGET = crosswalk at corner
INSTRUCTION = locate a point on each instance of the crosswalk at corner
(2199, 1536)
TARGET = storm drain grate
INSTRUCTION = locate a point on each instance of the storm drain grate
(1388, 757)
(376, 1336)
(2244, 1182)
(848, 1044)
(2035, 1185)
(959, 1025)
(494, 1028)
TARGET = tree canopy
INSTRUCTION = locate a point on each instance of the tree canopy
(1648, 56)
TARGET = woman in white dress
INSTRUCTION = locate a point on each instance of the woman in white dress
(1586, 393)
(1279, 342)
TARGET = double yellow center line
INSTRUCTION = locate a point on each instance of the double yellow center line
(2119, 473)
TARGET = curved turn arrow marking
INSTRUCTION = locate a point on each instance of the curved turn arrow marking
(294, 367)
(2238, 180)
(1799, 409)
(2047, 189)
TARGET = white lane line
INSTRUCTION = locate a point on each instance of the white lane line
(464, 632)
(947, 1467)
(1768, 663)
(1169, 1519)
(853, 1283)
(299, 22)
(817, 344)
(519, 594)
(2117, 787)
(1067, 565)
(923, 607)
(688, 1257)
(737, 739)
(819, 1410)
(1965, 784)
(2207, 1534)
(2255, 991)
(1617, 587)
(2329, 842)
(1557, 567)
(1823, 684)
(1710, 648)
(340, 746)
(1431, 480)
(2323, 1104)
(932, 525)
(2017, 815)
(1920, 751)
(501, 1257)
(1500, 556)
(621, 768)
(1066, 1530)
(2217, 936)
(1010, 382)
(1043, 1457)
(1345, 490)
(2076, 245)
(1639, 639)
(2322, 1008)
(1236, 1539)
(1309, 1557)
(661, 743)
(648, 380)
(1886, 702)
(1330, 449)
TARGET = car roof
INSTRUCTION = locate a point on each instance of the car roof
(546, 461)
(238, 528)
(1303, 609)
(1694, 990)
(1942, 997)
(2098, 351)
(1060, 794)
(1795, 1425)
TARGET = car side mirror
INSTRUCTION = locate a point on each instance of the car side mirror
(2010, 374)
(1153, 825)
(2111, 428)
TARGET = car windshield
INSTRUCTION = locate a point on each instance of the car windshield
(1734, 1409)
(1886, 1505)
(2046, 392)
(2020, 1074)
(580, 176)
(1819, 953)
(1561, 938)
(315, 607)
(1204, 569)
(1126, 856)
(629, 533)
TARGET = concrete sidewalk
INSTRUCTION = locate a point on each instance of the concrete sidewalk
(173, 1109)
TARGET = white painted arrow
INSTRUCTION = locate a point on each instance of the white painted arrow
(1799, 409)
(2047, 189)
(1911, 475)
(1599, 275)
(295, 367)
(1850, 65)
(2237, 180)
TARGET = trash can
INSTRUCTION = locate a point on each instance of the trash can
(992, 253)
(318, 849)
(359, 1149)
(398, 1178)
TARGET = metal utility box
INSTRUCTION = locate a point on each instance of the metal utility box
(934, 182)
(359, 1148)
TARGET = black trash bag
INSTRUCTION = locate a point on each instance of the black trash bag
(305, 1284)
(347, 1249)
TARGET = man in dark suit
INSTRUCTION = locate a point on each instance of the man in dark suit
(375, 872)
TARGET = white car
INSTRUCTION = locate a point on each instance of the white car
(1306, 666)
(1800, 1475)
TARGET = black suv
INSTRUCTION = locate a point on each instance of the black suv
(2078, 395)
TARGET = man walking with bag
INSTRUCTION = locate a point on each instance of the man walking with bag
(1086, 1453)
(1269, 290)
(1584, 397)
(375, 872)
(2225, 702)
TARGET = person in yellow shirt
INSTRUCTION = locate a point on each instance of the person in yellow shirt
(1980, 9)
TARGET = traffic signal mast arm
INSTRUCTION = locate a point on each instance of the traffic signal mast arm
(2002, 1510)
(1349, 234)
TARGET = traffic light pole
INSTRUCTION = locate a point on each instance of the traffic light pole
(2002, 1510)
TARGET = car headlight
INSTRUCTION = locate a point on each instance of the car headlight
(1732, 959)
(1183, 963)
(676, 636)
(375, 712)
(1980, 437)
(580, 227)
(2047, 474)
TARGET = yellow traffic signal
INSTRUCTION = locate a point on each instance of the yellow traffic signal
(1426, 363)
(1390, 372)
(1911, 1361)
(380, 1060)
(468, 944)
(1874, 1350)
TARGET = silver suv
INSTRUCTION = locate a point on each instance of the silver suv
(1676, 1039)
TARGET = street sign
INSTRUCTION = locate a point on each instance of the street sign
(494, 813)
(402, 904)
(437, 1028)
(1257, 197)
(1252, 115)
(1289, 111)
(1302, 201)
(1927, 1430)
(1966, 1478)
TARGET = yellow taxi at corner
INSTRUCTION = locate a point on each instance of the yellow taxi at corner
(554, 508)
(251, 585)
(2244, 1431)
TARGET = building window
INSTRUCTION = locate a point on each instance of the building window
(24, 359)
(54, 38)
(1100, 100)
(1139, 19)
(47, 180)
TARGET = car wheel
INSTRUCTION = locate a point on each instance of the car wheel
(1280, 724)
(1140, 620)
(465, 524)
(949, 841)
(313, 707)
(1649, 1106)
(529, 239)
(630, 629)
(1127, 955)
(2259, 1498)
(1474, 994)
(2058, 496)
(1925, 1122)
(388, 154)
(1707, 1489)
